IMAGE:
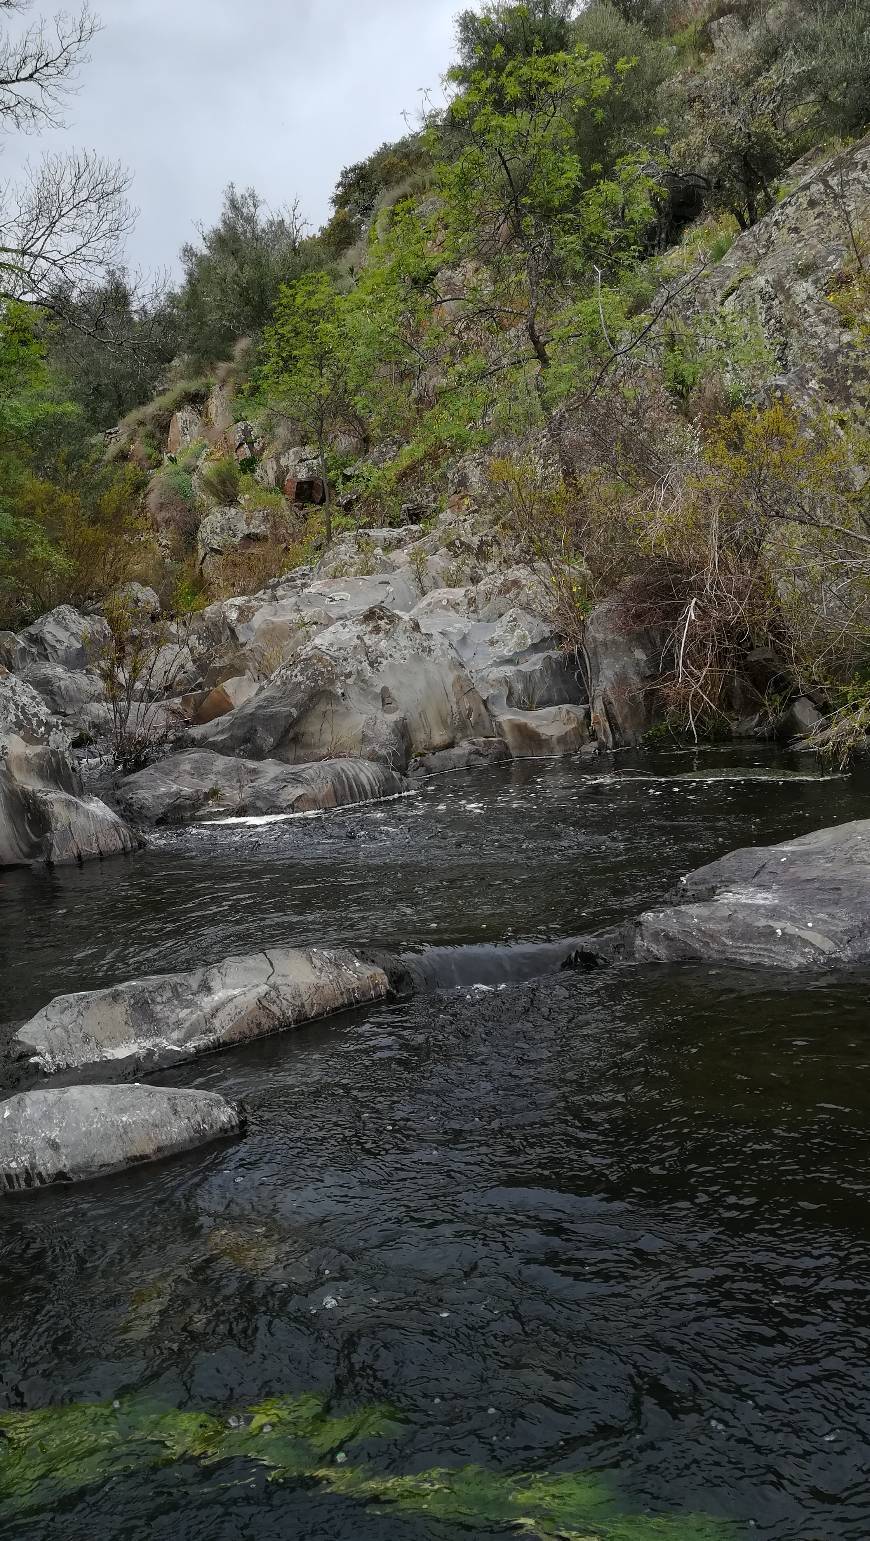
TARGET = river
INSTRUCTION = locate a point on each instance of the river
(610, 1225)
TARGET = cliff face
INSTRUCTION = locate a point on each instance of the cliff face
(784, 276)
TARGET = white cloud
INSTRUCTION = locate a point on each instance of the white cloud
(278, 94)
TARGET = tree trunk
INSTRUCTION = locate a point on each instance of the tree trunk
(327, 494)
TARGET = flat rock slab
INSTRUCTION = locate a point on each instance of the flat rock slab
(150, 1023)
(80, 1132)
(802, 904)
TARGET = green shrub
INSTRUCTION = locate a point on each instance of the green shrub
(221, 481)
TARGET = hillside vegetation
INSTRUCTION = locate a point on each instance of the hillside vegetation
(606, 276)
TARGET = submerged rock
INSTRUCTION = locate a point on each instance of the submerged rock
(200, 781)
(802, 904)
(45, 815)
(169, 1018)
(80, 1132)
(473, 754)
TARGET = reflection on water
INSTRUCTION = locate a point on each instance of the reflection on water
(612, 1223)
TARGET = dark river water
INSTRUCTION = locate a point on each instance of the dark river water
(611, 1225)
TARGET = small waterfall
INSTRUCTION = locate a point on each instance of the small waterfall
(449, 968)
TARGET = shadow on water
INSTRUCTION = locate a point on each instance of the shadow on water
(612, 1223)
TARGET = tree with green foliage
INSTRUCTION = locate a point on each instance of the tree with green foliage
(730, 125)
(110, 343)
(501, 33)
(233, 277)
(360, 186)
(69, 524)
(517, 194)
(308, 365)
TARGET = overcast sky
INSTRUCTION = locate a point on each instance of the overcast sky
(275, 94)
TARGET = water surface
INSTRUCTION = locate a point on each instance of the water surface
(614, 1223)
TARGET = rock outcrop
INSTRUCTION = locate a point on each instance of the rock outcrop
(779, 277)
(624, 665)
(81, 1132)
(372, 687)
(802, 904)
(169, 1018)
(552, 733)
(199, 782)
(229, 529)
(64, 636)
(25, 715)
(45, 814)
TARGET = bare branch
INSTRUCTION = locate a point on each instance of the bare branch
(39, 67)
(64, 224)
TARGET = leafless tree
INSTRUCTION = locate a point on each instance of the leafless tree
(64, 222)
(39, 66)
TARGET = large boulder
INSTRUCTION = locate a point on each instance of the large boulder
(372, 687)
(66, 637)
(25, 715)
(188, 785)
(552, 733)
(77, 697)
(45, 816)
(81, 1132)
(802, 904)
(170, 1018)
(518, 663)
(625, 662)
(229, 529)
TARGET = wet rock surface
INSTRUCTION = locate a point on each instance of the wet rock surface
(802, 904)
(45, 814)
(161, 1021)
(81, 1132)
(199, 781)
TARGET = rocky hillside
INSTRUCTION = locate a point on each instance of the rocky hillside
(483, 486)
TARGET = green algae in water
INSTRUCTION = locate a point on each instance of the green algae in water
(58, 1451)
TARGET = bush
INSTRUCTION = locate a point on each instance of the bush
(72, 545)
(220, 481)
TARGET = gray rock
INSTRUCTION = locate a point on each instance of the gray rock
(229, 529)
(25, 715)
(624, 664)
(552, 733)
(170, 1018)
(301, 463)
(81, 1132)
(802, 904)
(474, 754)
(66, 637)
(778, 276)
(371, 687)
(199, 782)
(45, 815)
(66, 692)
(12, 653)
(801, 719)
(142, 601)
